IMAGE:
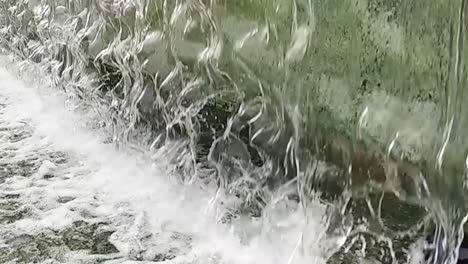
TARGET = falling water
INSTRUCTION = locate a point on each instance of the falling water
(354, 105)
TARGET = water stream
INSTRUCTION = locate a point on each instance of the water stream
(334, 128)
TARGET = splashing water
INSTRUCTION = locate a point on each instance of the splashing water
(356, 106)
(67, 197)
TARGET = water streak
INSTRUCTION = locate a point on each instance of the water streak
(357, 104)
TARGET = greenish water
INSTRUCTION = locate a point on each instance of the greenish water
(349, 100)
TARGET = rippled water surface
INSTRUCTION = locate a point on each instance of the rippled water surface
(310, 130)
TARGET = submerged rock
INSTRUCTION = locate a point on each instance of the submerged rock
(85, 236)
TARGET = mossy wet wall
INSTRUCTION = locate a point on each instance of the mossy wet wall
(270, 87)
(341, 54)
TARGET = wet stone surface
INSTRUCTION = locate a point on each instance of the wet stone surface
(84, 236)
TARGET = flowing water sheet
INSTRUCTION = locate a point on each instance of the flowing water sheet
(297, 131)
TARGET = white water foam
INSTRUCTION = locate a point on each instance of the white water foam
(149, 213)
